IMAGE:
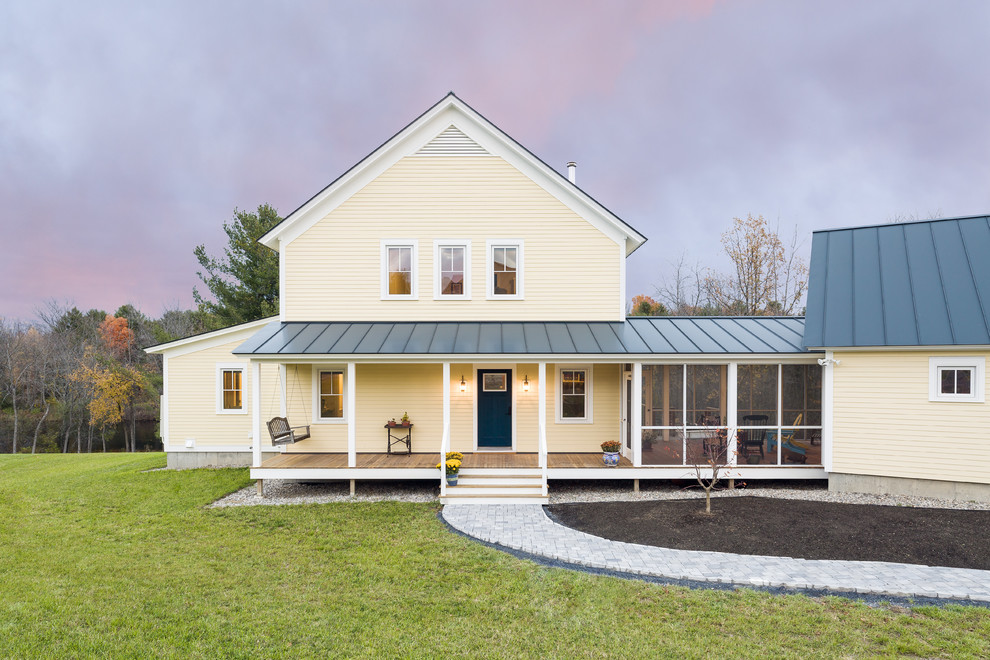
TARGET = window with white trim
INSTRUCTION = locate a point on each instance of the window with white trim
(399, 258)
(956, 378)
(574, 404)
(452, 270)
(331, 395)
(505, 269)
(230, 389)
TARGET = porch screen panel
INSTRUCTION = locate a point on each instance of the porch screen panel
(801, 395)
(663, 410)
(756, 394)
(705, 395)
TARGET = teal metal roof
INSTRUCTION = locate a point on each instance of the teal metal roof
(909, 284)
(698, 335)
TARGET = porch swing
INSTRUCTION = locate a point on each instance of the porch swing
(278, 427)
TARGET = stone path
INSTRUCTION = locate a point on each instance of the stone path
(526, 528)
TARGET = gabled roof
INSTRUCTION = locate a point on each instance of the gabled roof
(921, 283)
(449, 112)
(210, 337)
(635, 336)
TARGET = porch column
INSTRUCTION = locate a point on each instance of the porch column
(256, 414)
(636, 414)
(730, 412)
(351, 422)
(828, 380)
(445, 436)
(542, 407)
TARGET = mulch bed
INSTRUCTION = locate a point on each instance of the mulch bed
(793, 528)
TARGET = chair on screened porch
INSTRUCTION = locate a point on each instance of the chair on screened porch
(751, 441)
(792, 450)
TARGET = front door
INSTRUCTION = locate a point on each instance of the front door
(494, 409)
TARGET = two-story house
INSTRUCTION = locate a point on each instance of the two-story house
(454, 276)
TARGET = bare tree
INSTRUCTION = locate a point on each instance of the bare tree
(683, 292)
(712, 463)
(15, 367)
(768, 277)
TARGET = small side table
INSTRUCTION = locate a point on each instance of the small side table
(396, 437)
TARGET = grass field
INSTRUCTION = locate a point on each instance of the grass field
(99, 558)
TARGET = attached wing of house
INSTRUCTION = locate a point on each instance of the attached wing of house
(903, 313)
(453, 277)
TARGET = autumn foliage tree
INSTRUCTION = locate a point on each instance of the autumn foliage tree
(646, 306)
(767, 278)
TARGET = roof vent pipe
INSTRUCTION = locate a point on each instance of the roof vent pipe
(572, 172)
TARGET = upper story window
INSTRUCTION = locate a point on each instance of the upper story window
(452, 270)
(505, 269)
(399, 259)
(956, 378)
(230, 388)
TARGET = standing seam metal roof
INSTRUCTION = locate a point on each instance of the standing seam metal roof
(635, 336)
(911, 284)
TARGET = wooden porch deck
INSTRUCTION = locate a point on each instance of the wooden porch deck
(420, 461)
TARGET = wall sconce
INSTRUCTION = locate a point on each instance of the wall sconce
(463, 384)
(526, 383)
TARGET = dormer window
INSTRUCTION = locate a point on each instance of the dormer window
(505, 269)
(399, 274)
(452, 269)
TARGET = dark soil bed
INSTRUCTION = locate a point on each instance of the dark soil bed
(793, 528)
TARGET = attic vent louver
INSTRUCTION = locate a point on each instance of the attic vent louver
(452, 142)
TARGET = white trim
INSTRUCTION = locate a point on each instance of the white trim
(231, 366)
(491, 244)
(542, 416)
(731, 409)
(828, 409)
(450, 111)
(350, 401)
(209, 339)
(637, 415)
(256, 414)
(163, 409)
(622, 281)
(315, 375)
(589, 408)
(976, 363)
(475, 367)
(413, 244)
(524, 358)
(451, 242)
(281, 282)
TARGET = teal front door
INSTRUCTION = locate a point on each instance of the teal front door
(494, 409)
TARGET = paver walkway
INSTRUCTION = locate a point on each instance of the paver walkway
(526, 528)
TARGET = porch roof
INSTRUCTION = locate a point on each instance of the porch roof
(635, 336)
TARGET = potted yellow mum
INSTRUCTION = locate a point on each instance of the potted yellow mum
(452, 466)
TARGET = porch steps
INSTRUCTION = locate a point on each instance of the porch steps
(497, 486)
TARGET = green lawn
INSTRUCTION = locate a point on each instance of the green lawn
(100, 558)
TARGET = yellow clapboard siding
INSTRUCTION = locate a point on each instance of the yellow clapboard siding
(192, 400)
(885, 425)
(571, 271)
(607, 414)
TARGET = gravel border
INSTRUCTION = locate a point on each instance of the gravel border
(282, 492)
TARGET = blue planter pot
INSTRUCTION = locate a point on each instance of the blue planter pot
(611, 458)
(451, 479)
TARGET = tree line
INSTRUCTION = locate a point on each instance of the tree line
(71, 381)
(767, 277)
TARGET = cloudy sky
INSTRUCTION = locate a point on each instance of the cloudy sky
(130, 131)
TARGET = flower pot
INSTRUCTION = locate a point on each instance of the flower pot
(611, 458)
(451, 479)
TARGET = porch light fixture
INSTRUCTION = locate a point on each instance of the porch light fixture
(463, 384)
(526, 383)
